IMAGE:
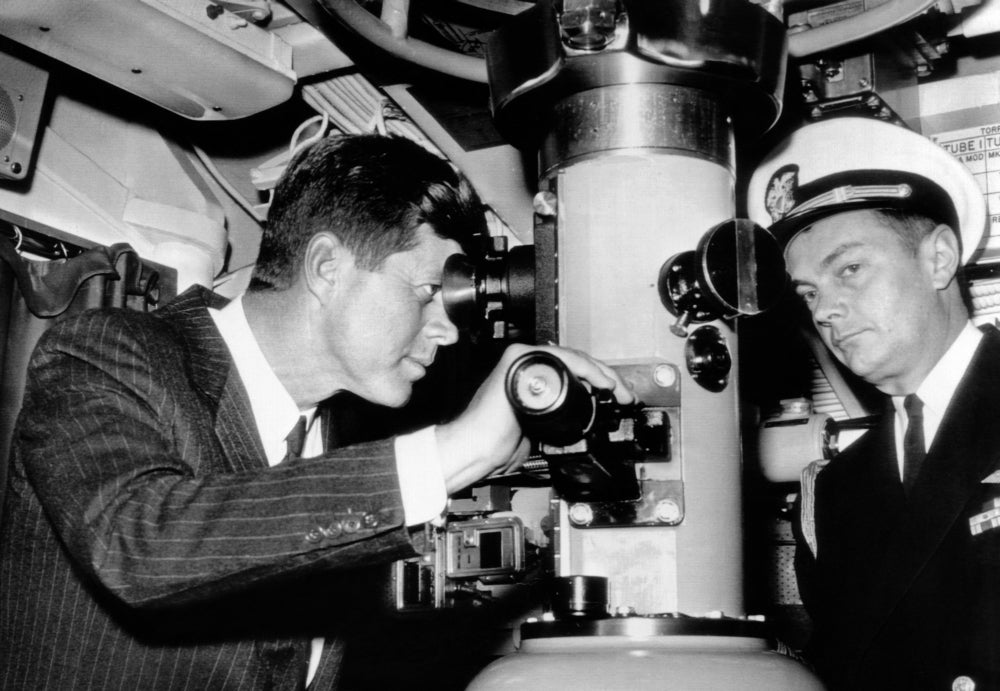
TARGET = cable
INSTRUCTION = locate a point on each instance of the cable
(371, 28)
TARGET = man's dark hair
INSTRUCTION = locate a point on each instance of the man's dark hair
(372, 192)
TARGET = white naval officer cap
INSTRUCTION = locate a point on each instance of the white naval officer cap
(848, 163)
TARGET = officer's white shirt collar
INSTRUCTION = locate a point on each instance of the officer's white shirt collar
(273, 408)
(938, 388)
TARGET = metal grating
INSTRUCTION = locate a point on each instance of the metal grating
(8, 119)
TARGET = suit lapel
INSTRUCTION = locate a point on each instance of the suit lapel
(216, 379)
(236, 428)
(964, 451)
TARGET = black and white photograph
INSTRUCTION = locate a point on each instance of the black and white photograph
(479, 345)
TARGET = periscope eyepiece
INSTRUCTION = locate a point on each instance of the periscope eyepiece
(493, 296)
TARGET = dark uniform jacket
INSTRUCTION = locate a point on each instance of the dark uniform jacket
(903, 595)
(145, 542)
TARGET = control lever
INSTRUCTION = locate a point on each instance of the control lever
(574, 428)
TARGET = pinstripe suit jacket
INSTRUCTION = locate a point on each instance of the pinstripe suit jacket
(145, 543)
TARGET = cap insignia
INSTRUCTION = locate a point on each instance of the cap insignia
(779, 198)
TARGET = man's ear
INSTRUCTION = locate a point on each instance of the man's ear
(944, 255)
(324, 258)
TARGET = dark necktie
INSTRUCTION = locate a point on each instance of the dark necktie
(914, 449)
(296, 439)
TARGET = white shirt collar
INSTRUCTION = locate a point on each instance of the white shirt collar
(273, 408)
(938, 388)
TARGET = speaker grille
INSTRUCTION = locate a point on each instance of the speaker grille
(8, 118)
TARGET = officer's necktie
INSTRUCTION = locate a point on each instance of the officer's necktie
(296, 439)
(914, 449)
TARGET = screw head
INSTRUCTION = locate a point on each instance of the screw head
(667, 511)
(581, 514)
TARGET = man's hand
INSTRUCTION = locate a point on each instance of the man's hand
(486, 436)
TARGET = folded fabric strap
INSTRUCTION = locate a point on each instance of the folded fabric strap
(49, 287)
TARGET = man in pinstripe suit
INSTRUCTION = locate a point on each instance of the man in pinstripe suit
(154, 534)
